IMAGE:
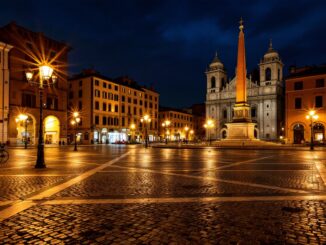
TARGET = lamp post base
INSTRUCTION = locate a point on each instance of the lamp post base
(40, 157)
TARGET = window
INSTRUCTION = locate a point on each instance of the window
(116, 97)
(140, 102)
(97, 93)
(71, 95)
(104, 84)
(268, 74)
(320, 83)
(253, 112)
(97, 83)
(116, 88)
(129, 100)
(104, 106)
(97, 105)
(318, 101)
(97, 120)
(104, 120)
(278, 74)
(298, 85)
(123, 121)
(123, 109)
(135, 101)
(80, 93)
(213, 82)
(123, 98)
(52, 103)
(297, 103)
(116, 108)
(80, 105)
(80, 83)
(135, 110)
(29, 100)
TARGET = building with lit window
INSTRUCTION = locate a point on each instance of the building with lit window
(111, 109)
(28, 50)
(175, 124)
(265, 88)
(305, 91)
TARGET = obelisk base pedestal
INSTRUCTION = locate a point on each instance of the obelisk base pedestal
(241, 131)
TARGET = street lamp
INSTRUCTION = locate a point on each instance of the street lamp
(165, 126)
(146, 119)
(46, 79)
(23, 118)
(208, 125)
(191, 134)
(312, 116)
(186, 134)
(132, 129)
(75, 121)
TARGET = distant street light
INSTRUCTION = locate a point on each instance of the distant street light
(186, 132)
(46, 79)
(146, 120)
(132, 129)
(208, 126)
(312, 116)
(165, 126)
(23, 118)
(75, 121)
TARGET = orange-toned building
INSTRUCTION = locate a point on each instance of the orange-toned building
(27, 49)
(111, 109)
(180, 126)
(305, 91)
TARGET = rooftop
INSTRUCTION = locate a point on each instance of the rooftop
(306, 71)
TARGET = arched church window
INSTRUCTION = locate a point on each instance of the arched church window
(213, 82)
(268, 74)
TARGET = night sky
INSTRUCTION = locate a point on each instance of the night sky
(168, 44)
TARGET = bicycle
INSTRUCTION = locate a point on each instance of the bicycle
(4, 155)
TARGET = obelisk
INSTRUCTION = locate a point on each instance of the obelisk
(241, 127)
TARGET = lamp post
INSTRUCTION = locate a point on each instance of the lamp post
(208, 125)
(132, 129)
(312, 116)
(186, 134)
(46, 79)
(75, 121)
(165, 126)
(146, 119)
(192, 134)
(23, 118)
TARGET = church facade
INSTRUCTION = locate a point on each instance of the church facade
(264, 93)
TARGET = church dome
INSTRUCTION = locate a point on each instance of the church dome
(216, 62)
(271, 53)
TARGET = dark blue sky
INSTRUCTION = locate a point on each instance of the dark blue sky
(169, 43)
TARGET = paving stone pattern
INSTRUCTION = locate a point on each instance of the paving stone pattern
(182, 223)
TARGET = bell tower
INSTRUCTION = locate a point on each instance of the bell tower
(216, 75)
(270, 68)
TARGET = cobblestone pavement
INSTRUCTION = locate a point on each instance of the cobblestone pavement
(131, 195)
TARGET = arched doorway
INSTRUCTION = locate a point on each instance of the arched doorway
(51, 130)
(224, 134)
(319, 132)
(26, 130)
(298, 134)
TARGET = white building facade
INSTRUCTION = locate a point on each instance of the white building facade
(265, 97)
